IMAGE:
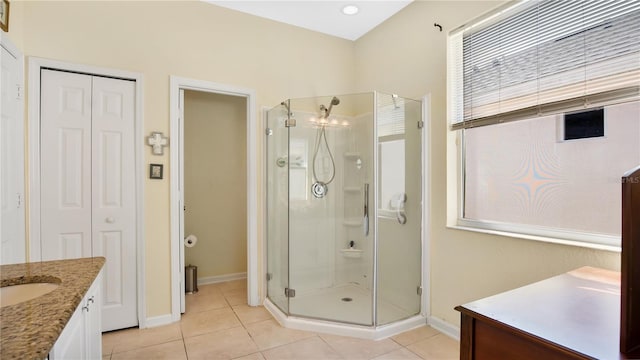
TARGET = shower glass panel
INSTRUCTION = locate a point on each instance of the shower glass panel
(277, 207)
(399, 146)
(330, 258)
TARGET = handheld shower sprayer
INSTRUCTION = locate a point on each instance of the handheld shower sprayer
(320, 187)
(334, 101)
(327, 111)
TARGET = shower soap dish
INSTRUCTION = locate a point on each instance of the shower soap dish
(351, 253)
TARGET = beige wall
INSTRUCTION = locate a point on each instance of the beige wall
(190, 39)
(215, 182)
(407, 55)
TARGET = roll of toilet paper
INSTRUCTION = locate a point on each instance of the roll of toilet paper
(190, 241)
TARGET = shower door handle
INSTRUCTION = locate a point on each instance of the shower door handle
(365, 219)
(400, 200)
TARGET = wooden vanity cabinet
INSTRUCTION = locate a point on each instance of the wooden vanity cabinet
(575, 315)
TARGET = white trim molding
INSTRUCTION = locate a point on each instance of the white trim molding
(444, 327)
(221, 278)
(161, 320)
(177, 268)
(35, 65)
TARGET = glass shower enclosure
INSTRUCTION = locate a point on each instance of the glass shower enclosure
(344, 208)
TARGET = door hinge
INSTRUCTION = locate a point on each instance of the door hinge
(269, 276)
(419, 290)
(420, 124)
(290, 293)
(290, 123)
(268, 131)
(19, 200)
(19, 92)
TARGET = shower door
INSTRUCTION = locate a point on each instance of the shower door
(277, 139)
(330, 255)
(399, 207)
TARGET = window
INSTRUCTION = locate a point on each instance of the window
(524, 79)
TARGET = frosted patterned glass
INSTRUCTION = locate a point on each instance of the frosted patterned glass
(524, 173)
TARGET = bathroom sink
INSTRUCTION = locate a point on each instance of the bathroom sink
(14, 294)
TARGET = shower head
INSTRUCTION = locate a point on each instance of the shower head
(327, 111)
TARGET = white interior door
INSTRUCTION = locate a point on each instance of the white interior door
(65, 153)
(113, 198)
(88, 182)
(12, 223)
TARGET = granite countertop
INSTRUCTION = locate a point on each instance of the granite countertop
(29, 329)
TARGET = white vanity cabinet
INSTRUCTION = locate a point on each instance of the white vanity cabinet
(82, 337)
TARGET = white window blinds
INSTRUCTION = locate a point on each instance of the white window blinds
(541, 57)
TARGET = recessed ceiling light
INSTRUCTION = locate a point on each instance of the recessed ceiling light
(350, 10)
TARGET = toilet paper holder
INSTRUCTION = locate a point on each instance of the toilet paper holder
(190, 241)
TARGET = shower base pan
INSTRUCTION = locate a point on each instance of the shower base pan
(342, 302)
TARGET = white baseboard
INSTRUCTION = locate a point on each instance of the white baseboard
(221, 278)
(444, 327)
(158, 321)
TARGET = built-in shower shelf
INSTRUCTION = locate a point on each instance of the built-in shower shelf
(352, 222)
(352, 155)
(352, 189)
(351, 253)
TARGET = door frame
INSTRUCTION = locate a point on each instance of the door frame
(177, 248)
(35, 66)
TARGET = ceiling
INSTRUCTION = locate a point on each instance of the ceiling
(322, 16)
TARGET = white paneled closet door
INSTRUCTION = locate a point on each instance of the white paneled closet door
(113, 198)
(65, 165)
(12, 220)
(88, 182)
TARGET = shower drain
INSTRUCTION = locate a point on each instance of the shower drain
(346, 299)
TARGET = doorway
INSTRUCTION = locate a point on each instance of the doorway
(215, 176)
(178, 86)
(86, 178)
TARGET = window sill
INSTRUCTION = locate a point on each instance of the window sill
(546, 239)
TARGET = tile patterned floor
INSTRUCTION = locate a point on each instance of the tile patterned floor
(219, 324)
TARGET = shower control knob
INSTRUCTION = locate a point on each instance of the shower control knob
(319, 189)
